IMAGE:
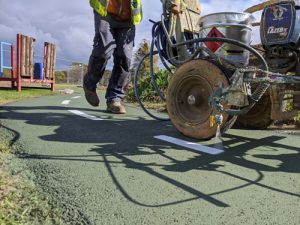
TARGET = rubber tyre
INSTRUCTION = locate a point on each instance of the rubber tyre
(198, 78)
(259, 117)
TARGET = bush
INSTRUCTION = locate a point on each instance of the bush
(296, 119)
(146, 89)
(61, 77)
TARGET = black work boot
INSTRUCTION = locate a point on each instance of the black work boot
(90, 95)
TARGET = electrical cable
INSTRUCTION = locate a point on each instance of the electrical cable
(165, 46)
(136, 90)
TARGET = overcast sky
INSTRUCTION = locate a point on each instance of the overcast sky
(69, 24)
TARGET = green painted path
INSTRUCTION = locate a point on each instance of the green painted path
(107, 169)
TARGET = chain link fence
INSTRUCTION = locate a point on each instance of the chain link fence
(74, 73)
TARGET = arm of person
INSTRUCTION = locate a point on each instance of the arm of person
(173, 6)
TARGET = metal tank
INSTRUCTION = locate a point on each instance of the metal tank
(233, 25)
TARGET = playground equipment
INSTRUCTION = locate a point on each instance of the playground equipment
(26, 71)
(4, 65)
(216, 81)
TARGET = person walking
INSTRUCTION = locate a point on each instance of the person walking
(115, 22)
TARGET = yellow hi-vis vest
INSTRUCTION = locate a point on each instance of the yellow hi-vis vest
(100, 6)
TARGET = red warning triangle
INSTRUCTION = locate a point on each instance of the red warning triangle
(214, 46)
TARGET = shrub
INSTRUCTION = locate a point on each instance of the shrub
(146, 89)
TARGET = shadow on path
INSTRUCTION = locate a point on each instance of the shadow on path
(123, 137)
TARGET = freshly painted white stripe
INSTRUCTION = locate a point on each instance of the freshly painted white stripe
(75, 97)
(82, 114)
(66, 102)
(190, 145)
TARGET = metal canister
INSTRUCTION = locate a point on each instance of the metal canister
(232, 25)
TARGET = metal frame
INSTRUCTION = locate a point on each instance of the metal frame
(262, 77)
(13, 79)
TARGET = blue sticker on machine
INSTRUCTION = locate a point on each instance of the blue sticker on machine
(278, 22)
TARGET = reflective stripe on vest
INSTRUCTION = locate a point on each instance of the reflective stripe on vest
(136, 11)
(100, 6)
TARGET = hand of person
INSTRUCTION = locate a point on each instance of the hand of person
(175, 8)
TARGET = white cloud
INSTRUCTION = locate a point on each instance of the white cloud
(69, 24)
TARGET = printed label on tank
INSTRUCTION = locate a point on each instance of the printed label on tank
(278, 22)
(214, 33)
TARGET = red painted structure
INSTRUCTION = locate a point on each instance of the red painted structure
(17, 78)
(28, 78)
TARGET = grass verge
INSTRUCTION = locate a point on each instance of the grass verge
(7, 95)
(20, 201)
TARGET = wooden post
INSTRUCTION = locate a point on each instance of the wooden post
(12, 66)
(54, 66)
(30, 57)
(49, 63)
(27, 51)
(23, 55)
(19, 69)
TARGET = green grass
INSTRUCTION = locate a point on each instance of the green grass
(4, 147)
(20, 201)
(7, 96)
(67, 86)
(12, 95)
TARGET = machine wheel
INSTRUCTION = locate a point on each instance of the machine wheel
(188, 97)
(259, 117)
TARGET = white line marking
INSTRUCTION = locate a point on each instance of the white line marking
(66, 102)
(76, 97)
(190, 145)
(82, 114)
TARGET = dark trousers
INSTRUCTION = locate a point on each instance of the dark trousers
(112, 37)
